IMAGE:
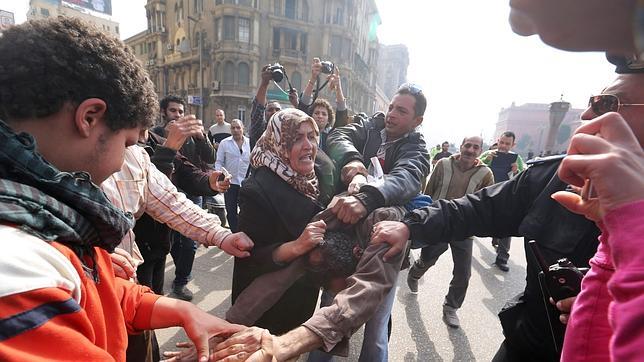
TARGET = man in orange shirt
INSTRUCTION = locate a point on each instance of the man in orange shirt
(71, 100)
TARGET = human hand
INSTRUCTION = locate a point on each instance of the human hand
(311, 236)
(200, 327)
(393, 233)
(349, 209)
(237, 244)
(178, 131)
(217, 183)
(564, 306)
(606, 152)
(316, 69)
(515, 168)
(356, 184)
(564, 24)
(188, 352)
(123, 264)
(267, 75)
(293, 98)
(351, 169)
(490, 155)
(252, 344)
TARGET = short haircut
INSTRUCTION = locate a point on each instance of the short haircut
(165, 102)
(338, 258)
(509, 134)
(45, 64)
(446, 142)
(421, 102)
(329, 110)
(479, 137)
(235, 120)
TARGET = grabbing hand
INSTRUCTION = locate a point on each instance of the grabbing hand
(606, 152)
(252, 344)
(188, 352)
(123, 264)
(393, 233)
(356, 184)
(237, 244)
(293, 98)
(311, 236)
(564, 306)
(216, 184)
(267, 75)
(351, 169)
(201, 326)
(349, 209)
(316, 68)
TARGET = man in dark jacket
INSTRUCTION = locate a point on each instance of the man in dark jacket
(519, 207)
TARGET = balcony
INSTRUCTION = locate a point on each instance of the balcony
(292, 55)
(234, 45)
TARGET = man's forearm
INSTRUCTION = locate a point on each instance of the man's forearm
(296, 342)
(261, 93)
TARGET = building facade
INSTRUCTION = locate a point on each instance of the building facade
(530, 124)
(212, 52)
(43, 9)
(394, 60)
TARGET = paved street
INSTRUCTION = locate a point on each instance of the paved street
(419, 333)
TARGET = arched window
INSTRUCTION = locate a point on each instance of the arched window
(229, 73)
(244, 76)
(290, 10)
(296, 81)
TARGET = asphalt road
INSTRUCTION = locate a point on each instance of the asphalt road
(419, 333)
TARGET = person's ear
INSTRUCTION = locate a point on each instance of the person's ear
(417, 121)
(88, 115)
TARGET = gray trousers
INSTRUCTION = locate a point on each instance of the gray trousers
(462, 257)
(503, 250)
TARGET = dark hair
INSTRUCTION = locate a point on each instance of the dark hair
(320, 102)
(445, 143)
(165, 102)
(337, 257)
(45, 64)
(421, 102)
(509, 134)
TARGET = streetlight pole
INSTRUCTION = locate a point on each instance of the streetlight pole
(196, 21)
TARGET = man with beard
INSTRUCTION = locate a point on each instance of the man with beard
(452, 178)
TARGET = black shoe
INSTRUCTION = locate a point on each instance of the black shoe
(181, 292)
(502, 266)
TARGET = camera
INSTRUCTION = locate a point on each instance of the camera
(561, 280)
(277, 72)
(327, 67)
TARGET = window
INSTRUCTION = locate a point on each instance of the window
(117, 29)
(304, 42)
(276, 38)
(290, 39)
(44, 12)
(229, 73)
(336, 46)
(229, 28)
(305, 10)
(289, 9)
(244, 74)
(339, 16)
(244, 30)
(218, 29)
(241, 113)
(278, 7)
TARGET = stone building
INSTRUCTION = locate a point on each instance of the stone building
(238, 37)
(42, 9)
(394, 60)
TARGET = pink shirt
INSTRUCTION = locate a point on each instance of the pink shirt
(607, 320)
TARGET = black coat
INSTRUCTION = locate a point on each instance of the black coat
(271, 214)
(521, 206)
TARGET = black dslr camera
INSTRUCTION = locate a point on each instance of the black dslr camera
(327, 67)
(277, 72)
(561, 280)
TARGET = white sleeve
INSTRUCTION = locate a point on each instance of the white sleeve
(29, 263)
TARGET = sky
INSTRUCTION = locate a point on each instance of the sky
(462, 53)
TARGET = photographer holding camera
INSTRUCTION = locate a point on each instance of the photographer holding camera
(320, 109)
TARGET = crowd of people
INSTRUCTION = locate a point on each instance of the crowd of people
(93, 198)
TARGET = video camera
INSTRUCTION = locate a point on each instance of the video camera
(561, 280)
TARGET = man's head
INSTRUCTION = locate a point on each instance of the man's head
(336, 257)
(470, 150)
(505, 143)
(220, 116)
(405, 111)
(237, 129)
(81, 93)
(271, 108)
(629, 90)
(445, 146)
(323, 113)
(172, 108)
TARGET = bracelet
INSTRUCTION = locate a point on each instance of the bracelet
(222, 241)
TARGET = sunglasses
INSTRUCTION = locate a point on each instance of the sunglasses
(414, 89)
(604, 103)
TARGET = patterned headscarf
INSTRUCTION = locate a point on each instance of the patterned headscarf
(272, 150)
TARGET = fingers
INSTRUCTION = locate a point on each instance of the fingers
(232, 246)
(611, 126)
(574, 203)
(202, 347)
(521, 23)
(392, 252)
(123, 264)
(246, 341)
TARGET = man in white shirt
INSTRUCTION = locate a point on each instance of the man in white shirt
(219, 130)
(233, 154)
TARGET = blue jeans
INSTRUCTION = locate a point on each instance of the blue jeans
(231, 198)
(375, 343)
(183, 253)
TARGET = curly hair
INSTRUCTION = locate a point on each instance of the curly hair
(320, 102)
(45, 64)
(165, 102)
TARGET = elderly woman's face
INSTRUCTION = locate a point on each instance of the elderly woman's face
(302, 154)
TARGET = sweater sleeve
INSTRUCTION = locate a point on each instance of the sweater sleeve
(625, 227)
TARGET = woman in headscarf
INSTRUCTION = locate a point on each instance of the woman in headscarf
(276, 204)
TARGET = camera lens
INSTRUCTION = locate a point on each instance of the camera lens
(277, 75)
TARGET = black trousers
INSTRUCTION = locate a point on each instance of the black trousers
(151, 273)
